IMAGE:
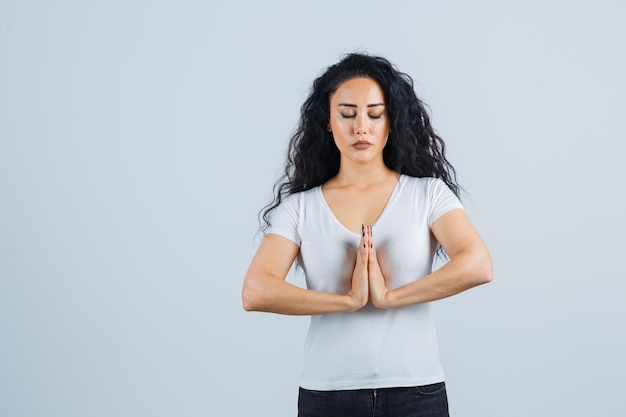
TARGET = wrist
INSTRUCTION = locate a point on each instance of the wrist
(383, 300)
(353, 303)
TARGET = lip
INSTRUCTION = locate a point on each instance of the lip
(361, 144)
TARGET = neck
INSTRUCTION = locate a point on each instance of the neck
(362, 175)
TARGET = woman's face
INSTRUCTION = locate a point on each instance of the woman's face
(358, 120)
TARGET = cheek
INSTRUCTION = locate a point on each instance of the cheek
(340, 130)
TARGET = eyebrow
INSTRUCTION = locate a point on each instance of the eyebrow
(355, 106)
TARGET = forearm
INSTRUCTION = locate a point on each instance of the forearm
(274, 295)
(461, 273)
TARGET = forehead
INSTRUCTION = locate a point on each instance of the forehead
(358, 91)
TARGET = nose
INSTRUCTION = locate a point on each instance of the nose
(361, 126)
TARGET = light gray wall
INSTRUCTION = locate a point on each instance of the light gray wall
(139, 139)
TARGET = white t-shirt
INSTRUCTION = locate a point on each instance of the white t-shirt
(368, 348)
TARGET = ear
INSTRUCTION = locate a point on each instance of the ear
(329, 128)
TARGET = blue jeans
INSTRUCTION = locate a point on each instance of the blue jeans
(423, 401)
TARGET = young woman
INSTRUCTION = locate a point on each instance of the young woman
(367, 198)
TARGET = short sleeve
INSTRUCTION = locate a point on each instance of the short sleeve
(284, 219)
(442, 200)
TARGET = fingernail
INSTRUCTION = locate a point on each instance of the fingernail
(362, 229)
(371, 231)
(364, 245)
(371, 245)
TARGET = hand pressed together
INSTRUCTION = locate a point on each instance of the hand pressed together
(368, 282)
(360, 286)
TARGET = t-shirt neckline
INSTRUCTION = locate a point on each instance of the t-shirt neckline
(392, 197)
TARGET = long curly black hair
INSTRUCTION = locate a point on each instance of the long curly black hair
(413, 148)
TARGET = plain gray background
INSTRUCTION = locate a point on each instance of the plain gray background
(139, 140)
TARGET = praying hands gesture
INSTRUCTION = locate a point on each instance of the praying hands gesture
(265, 288)
(368, 282)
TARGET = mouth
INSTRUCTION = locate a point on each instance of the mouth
(361, 144)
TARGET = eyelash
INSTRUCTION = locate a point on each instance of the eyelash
(345, 116)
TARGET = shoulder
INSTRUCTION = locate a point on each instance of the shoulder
(293, 205)
(430, 193)
(431, 187)
(286, 219)
(422, 184)
(418, 180)
(301, 197)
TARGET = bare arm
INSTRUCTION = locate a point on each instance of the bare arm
(265, 288)
(470, 265)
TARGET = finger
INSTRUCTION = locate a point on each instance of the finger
(363, 241)
(372, 250)
(362, 250)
